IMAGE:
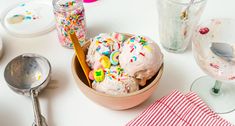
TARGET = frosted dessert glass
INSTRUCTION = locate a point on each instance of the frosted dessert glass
(177, 21)
(214, 51)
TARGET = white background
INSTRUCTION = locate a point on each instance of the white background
(62, 103)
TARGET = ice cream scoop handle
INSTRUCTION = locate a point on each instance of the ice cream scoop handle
(39, 119)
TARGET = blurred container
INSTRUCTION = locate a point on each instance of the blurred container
(177, 21)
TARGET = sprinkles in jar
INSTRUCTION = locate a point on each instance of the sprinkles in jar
(70, 17)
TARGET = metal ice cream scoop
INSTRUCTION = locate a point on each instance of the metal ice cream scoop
(223, 50)
(28, 74)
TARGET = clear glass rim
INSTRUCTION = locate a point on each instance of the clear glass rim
(184, 3)
(58, 8)
(220, 96)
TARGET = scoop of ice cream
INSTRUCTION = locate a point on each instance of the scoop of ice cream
(141, 58)
(116, 82)
(103, 44)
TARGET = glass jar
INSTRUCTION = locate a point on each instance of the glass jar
(70, 17)
(177, 22)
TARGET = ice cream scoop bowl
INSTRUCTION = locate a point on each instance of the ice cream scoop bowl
(115, 102)
(28, 74)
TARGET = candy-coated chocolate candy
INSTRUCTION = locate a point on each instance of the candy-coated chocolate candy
(98, 75)
(91, 75)
(104, 60)
(204, 30)
(118, 36)
(114, 57)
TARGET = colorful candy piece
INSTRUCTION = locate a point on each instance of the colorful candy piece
(91, 75)
(16, 19)
(99, 75)
(114, 57)
(106, 53)
(119, 70)
(204, 30)
(118, 36)
(38, 75)
(104, 60)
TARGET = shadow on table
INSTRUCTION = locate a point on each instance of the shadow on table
(9, 118)
(55, 88)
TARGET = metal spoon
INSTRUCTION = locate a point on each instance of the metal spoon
(223, 50)
(28, 74)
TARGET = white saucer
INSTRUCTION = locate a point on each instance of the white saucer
(29, 19)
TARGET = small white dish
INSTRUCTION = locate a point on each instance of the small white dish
(29, 19)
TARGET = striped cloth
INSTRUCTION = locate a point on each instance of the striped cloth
(177, 109)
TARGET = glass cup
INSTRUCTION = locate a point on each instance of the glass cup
(70, 17)
(213, 46)
(177, 21)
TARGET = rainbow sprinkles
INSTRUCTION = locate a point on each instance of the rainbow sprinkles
(117, 55)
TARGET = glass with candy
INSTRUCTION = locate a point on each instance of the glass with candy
(70, 17)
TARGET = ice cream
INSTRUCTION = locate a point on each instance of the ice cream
(116, 82)
(141, 58)
(120, 63)
(103, 44)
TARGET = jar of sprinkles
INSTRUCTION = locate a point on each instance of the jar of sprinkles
(70, 17)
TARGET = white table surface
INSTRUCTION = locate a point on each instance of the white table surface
(62, 103)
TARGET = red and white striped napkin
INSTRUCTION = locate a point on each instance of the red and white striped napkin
(177, 109)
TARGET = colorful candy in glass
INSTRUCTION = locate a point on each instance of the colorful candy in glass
(70, 17)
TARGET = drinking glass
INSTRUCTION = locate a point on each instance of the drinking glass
(214, 51)
(177, 21)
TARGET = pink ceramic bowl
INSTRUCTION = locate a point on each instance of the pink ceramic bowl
(113, 102)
